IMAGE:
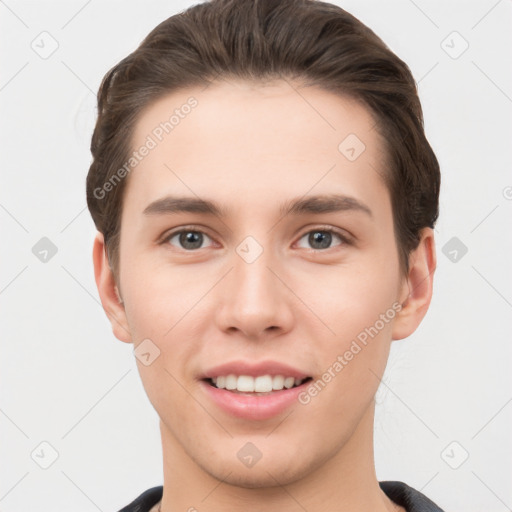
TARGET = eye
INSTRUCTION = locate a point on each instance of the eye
(191, 239)
(321, 238)
(188, 239)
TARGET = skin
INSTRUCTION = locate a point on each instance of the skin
(250, 147)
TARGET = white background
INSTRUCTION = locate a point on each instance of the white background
(67, 381)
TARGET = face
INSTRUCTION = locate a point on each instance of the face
(257, 283)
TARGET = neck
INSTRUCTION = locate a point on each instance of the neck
(344, 481)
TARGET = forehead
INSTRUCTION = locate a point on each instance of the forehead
(241, 140)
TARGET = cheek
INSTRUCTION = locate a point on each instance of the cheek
(163, 310)
(158, 296)
(351, 361)
(359, 306)
(350, 298)
(165, 305)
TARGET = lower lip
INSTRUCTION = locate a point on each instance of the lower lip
(255, 407)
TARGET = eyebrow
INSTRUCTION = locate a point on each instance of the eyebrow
(317, 204)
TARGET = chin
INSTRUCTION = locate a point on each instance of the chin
(261, 480)
(264, 474)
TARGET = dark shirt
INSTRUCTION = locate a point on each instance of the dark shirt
(398, 492)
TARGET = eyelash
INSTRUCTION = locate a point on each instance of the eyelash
(322, 229)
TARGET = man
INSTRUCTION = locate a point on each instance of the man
(265, 199)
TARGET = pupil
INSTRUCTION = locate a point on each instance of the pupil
(320, 236)
(191, 237)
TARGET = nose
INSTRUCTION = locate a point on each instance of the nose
(253, 299)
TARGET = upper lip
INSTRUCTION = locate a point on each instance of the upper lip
(253, 369)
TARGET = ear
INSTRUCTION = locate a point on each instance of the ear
(416, 289)
(108, 291)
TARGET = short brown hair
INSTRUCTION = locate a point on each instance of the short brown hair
(314, 42)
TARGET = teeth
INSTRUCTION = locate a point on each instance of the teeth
(260, 384)
(278, 382)
(245, 383)
(231, 382)
(289, 382)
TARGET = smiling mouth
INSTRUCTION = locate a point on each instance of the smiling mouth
(259, 386)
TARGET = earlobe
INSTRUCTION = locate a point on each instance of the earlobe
(416, 292)
(109, 294)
